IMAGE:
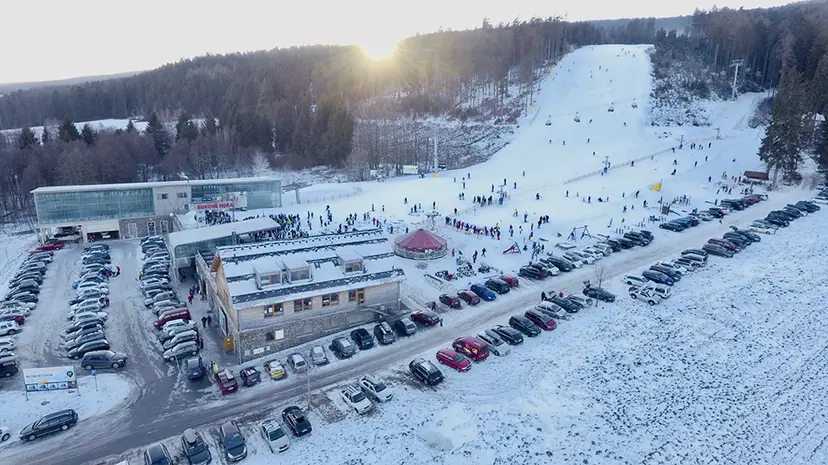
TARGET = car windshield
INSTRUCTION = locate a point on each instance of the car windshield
(357, 397)
(234, 440)
(275, 434)
(196, 447)
(378, 387)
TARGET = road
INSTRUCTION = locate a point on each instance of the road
(150, 417)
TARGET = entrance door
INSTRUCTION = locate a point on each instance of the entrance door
(132, 229)
(151, 228)
(164, 227)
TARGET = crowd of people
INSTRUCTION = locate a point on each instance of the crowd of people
(214, 217)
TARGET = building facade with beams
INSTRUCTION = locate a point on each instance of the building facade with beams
(274, 295)
(140, 209)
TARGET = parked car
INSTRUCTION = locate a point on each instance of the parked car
(599, 293)
(660, 290)
(275, 369)
(552, 309)
(384, 333)
(194, 367)
(512, 336)
(483, 292)
(658, 277)
(195, 448)
(405, 327)
(510, 280)
(531, 272)
(450, 300)
(8, 365)
(80, 351)
(181, 350)
(673, 274)
(49, 424)
(157, 454)
(375, 388)
(541, 319)
(647, 295)
(498, 285)
(453, 360)
(9, 328)
(232, 440)
(524, 325)
(568, 305)
(718, 250)
(226, 381)
(274, 436)
(298, 363)
(495, 344)
(362, 338)
(100, 359)
(250, 376)
(342, 348)
(296, 420)
(469, 297)
(354, 397)
(425, 371)
(318, 355)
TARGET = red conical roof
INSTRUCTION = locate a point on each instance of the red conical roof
(421, 240)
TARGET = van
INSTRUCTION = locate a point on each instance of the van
(384, 333)
(7, 328)
(498, 285)
(181, 313)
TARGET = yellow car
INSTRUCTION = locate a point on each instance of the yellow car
(275, 369)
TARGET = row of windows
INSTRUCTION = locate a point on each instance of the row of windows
(301, 305)
(332, 323)
(64, 207)
(180, 195)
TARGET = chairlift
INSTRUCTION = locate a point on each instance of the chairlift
(611, 107)
(634, 104)
(549, 121)
(577, 118)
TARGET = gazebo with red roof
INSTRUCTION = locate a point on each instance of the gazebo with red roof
(421, 245)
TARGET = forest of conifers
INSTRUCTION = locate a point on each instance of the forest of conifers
(302, 104)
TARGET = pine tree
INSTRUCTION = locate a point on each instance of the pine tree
(160, 137)
(26, 138)
(787, 134)
(303, 134)
(821, 148)
(45, 136)
(209, 126)
(88, 134)
(130, 127)
(68, 132)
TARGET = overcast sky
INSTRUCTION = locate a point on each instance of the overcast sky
(56, 39)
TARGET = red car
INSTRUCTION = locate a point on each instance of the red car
(450, 300)
(541, 319)
(471, 347)
(512, 281)
(426, 317)
(53, 246)
(226, 381)
(454, 360)
(16, 317)
(469, 297)
(41, 251)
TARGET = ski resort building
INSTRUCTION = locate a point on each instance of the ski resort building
(141, 209)
(274, 295)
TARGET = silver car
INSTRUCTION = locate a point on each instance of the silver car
(496, 345)
(318, 355)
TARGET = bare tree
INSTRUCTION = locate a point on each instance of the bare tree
(600, 277)
(260, 166)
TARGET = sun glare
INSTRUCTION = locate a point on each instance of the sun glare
(379, 50)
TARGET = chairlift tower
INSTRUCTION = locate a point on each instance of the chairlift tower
(735, 64)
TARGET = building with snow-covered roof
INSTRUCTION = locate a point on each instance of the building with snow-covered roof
(130, 210)
(274, 295)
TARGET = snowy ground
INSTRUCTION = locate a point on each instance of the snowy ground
(733, 380)
(95, 399)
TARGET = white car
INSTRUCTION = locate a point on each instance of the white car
(375, 388)
(496, 345)
(29, 305)
(576, 261)
(93, 285)
(597, 251)
(647, 295)
(274, 436)
(555, 310)
(175, 324)
(660, 290)
(677, 268)
(25, 311)
(8, 328)
(298, 362)
(7, 345)
(87, 315)
(594, 253)
(634, 279)
(88, 305)
(763, 229)
(355, 398)
(5, 433)
(606, 248)
(819, 199)
(573, 255)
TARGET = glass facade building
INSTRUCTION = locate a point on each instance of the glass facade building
(260, 194)
(79, 206)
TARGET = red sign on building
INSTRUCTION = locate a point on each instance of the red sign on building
(214, 205)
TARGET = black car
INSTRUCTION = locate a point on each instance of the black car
(658, 277)
(715, 212)
(425, 371)
(157, 454)
(614, 244)
(232, 440)
(509, 335)
(384, 333)
(78, 352)
(8, 366)
(599, 293)
(52, 423)
(636, 239)
(559, 263)
(698, 252)
(625, 243)
(718, 250)
(531, 272)
(777, 221)
(809, 206)
(672, 226)
(795, 212)
(296, 420)
(646, 234)
(498, 285)
(673, 274)
(362, 338)
(737, 239)
(194, 448)
(566, 304)
(99, 359)
(524, 325)
(194, 367)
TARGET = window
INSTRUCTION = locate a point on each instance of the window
(182, 195)
(357, 295)
(306, 330)
(268, 279)
(297, 275)
(353, 266)
(302, 305)
(330, 299)
(163, 196)
(273, 310)
(60, 207)
(269, 336)
(334, 323)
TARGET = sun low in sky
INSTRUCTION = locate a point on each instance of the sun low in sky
(379, 49)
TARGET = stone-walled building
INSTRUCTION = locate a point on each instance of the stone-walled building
(274, 295)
